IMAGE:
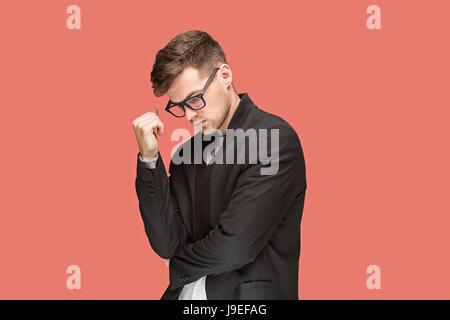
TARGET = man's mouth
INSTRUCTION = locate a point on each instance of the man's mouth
(198, 122)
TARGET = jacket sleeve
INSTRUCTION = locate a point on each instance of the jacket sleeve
(159, 210)
(257, 206)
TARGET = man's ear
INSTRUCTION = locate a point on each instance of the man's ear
(225, 75)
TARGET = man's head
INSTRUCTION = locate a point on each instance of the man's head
(182, 69)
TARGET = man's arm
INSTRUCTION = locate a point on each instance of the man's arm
(152, 165)
(258, 204)
(159, 209)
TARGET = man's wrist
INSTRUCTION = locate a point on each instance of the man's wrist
(150, 158)
(148, 164)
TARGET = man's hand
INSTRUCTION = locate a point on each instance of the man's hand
(145, 127)
(166, 261)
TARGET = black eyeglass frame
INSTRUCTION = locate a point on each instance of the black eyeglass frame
(184, 104)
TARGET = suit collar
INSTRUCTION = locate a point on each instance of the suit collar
(240, 116)
(244, 107)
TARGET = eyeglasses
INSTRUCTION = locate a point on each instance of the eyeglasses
(194, 103)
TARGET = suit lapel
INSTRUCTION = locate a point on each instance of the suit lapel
(219, 172)
(189, 170)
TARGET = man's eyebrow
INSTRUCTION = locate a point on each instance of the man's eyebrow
(190, 95)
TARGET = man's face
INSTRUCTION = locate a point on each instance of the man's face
(189, 83)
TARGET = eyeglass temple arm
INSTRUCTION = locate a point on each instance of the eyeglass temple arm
(209, 80)
(203, 91)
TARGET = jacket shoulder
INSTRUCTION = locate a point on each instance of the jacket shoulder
(266, 120)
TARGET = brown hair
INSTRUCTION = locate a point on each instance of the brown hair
(189, 49)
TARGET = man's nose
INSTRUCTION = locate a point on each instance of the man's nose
(190, 114)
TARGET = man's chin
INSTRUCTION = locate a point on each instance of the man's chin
(206, 129)
(211, 131)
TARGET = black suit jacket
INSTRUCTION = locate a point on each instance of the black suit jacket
(253, 250)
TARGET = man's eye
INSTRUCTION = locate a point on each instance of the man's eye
(195, 102)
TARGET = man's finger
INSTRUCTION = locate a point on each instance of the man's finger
(160, 127)
(156, 126)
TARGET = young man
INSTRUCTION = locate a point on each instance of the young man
(230, 228)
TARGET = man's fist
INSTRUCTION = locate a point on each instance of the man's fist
(145, 128)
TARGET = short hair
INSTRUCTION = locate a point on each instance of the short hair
(194, 48)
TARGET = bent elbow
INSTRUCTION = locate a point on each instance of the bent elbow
(239, 256)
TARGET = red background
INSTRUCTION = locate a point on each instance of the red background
(371, 108)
